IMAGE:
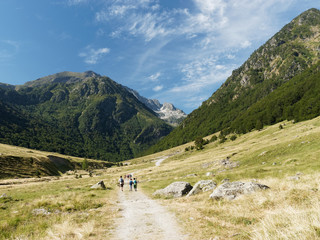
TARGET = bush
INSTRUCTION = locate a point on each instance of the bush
(223, 139)
(85, 164)
(213, 138)
(233, 137)
(199, 142)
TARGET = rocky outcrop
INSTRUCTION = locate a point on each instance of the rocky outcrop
(231, 190)
(166, 111)
(176, 189)
(202, 186)
(99, 185)
(171, 114)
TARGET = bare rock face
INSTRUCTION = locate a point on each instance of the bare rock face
(4, 195)
(166, 111)
(175, 189)
(99, 185)
(202, 186)
(231, 190)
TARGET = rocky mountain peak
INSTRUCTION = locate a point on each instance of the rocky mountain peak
(62, 77)
(91, 74)
(166, 111)
(168, 106)
(308, 17)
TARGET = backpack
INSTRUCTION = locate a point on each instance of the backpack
(135, 182)
(121, 181)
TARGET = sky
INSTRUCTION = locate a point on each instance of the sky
(177, 51)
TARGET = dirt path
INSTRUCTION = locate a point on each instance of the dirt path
(160, 160)
(144, 218)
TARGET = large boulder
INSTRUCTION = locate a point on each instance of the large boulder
(202, 186)
(175, 189)
(231, 190)
(99, 185)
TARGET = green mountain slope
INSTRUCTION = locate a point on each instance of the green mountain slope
(294, 49)
(297, 100)
(80, 114)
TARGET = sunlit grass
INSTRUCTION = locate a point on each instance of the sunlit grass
(287, 160)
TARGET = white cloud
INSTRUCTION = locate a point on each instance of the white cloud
(158, 88)
(92, 56)
(202, 74)
(139, 18)
(76, 2)
(155, 77)
(230, 56)
(203, 35)
(245, 44)
(8, 49)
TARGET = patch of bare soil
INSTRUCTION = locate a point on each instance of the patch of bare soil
(144, 218)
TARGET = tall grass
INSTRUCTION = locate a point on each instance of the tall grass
(56, 210)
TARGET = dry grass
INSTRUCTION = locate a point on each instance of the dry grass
(273, 157)
(288, 210)
(61, 209)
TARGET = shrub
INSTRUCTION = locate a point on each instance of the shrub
(199, 142)
(213, 138)
(233, 137)
(85, 164)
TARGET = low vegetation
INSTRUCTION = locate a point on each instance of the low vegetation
(285, 159)
(60, 209)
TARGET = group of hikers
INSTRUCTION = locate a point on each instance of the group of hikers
(132, 183)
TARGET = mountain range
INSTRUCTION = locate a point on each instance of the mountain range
(89, 115)
(279, 81)
(80, 114)
(166, 111)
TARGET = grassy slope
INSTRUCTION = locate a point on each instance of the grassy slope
(271, 156)
(289, 210)
(24, 162)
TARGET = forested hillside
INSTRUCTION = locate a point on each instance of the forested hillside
(80, 114)
(292, 51)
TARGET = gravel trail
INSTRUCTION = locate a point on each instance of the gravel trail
(144, 218)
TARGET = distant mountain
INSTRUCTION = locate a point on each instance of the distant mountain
(293, 52)
(80, 114)
(166, 111)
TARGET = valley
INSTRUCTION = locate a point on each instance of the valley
(283, 158)
(243, 165)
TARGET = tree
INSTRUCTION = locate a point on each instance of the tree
(214, 138)
(199, 142)
(233, 137)
(85, 164)
(259, 125)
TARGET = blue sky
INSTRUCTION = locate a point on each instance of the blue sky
(177, 51)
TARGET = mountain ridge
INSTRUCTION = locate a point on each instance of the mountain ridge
(80, 114)
(166, 111)
(289, 52)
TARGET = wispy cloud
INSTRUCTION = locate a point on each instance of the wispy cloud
(200, 74)
(158, 88)
(210, 38)
(76, 2)
(154, 77)
(8, 49)
(139, 18)
(92, 56)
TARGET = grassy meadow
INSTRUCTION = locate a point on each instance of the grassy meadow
(285, 158)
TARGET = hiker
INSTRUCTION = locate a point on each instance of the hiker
(135, 184)
(130, 184)
(121, 183)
